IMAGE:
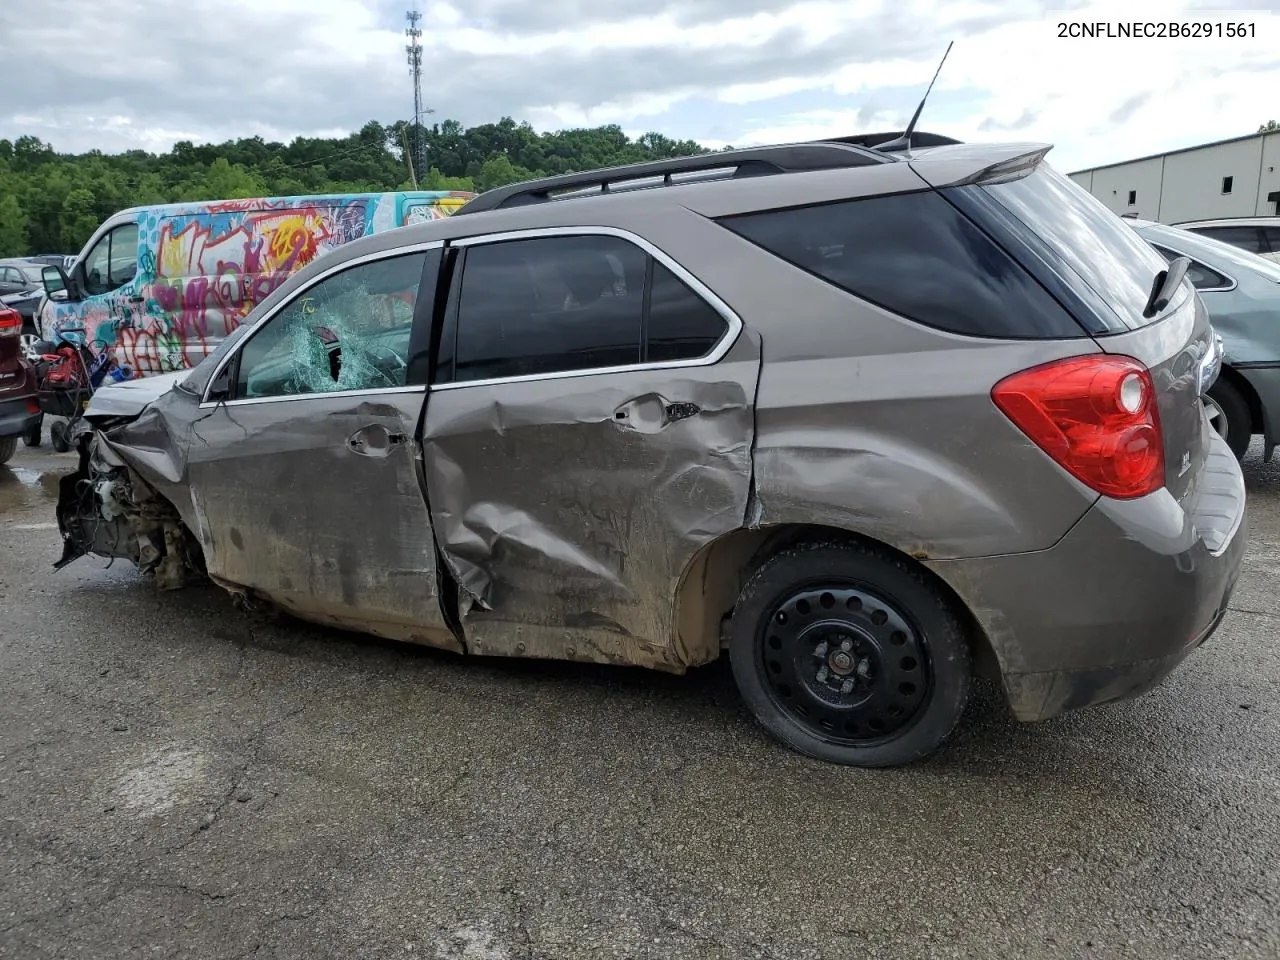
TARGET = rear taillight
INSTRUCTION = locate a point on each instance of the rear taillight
(1096, 416)
(10, 322)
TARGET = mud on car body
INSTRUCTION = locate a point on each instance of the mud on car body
(869, 421)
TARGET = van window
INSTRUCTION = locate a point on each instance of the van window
(348, 332)
(113, 261)
(549, 305)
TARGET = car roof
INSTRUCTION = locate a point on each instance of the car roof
(1232, 222)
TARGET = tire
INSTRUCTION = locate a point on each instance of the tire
(900, 687)
(58, 436)
(33, 436)
(1231, 419)
(8, 445)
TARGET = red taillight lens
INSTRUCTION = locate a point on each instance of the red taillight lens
(1096, 416)
(10, 322)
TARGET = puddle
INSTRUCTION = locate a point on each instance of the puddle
(18, 483)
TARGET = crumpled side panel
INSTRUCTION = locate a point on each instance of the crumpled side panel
(569, 510)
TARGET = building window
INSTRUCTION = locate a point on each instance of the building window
(1133, 197)
(1227, 183)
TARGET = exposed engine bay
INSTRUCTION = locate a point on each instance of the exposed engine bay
(105, 509)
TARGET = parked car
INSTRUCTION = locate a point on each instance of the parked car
(1242, 294)
(19, 408)
(161, 286)
(869, 421)
(19, 276)
(1257, 235)
(63, 260)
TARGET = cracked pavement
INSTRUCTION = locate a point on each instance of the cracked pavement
(181, 779)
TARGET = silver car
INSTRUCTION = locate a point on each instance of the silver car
(1241, 291)
(867, 420)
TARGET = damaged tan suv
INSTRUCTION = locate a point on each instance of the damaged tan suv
(867, 419)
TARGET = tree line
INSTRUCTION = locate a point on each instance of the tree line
(51, 202)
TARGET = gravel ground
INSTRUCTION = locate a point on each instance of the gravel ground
(178, 779)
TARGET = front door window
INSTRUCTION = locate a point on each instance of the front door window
(113, 261)
(348, 332)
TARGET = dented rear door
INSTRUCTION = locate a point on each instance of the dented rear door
(590, 432)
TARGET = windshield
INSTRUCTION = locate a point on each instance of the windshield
(32, 273)
(1221, 256)
(1094, 242)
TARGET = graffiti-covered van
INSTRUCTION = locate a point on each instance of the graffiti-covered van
(161, 286)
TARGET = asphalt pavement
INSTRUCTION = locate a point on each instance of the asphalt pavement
(181, 779)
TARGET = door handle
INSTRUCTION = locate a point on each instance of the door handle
(652, 412)
(375, 440)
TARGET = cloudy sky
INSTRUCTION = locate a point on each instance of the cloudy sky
(120, 74)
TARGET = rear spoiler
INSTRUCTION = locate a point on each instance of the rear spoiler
(959, 166)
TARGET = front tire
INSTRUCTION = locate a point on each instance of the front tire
(8, 445)
(850, 654)
(1229, 414)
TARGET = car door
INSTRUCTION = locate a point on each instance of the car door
(588, 433)
(304, 470)
(105, 278)
(10, 281)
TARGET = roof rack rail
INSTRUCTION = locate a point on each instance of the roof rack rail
(871, 140)
(745, 162)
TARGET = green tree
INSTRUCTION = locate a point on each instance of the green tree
(1269, 126)
(77, 220)
(13, 225)
(51, 202)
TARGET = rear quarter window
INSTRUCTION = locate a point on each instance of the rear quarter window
(915, 255)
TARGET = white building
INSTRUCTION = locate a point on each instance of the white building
(1229, 178)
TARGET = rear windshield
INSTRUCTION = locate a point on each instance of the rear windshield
(1099, 246)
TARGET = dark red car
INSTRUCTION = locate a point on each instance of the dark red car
(19, 408)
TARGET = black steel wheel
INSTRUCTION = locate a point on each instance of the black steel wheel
(850, 654)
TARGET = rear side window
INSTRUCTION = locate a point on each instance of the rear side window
(1098, 246)
(916, 255)
(561, 304)
(1246, 238)
(549, 305)
(1201, 277)
(681, 325)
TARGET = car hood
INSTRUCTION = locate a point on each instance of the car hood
(130, 398)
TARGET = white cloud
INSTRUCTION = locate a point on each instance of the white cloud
(215, 69)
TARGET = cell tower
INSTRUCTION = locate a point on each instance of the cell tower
(414, 50)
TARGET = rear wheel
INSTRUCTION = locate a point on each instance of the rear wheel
(7, 447)
(34, 434)
(1229, 413)
(850, 654)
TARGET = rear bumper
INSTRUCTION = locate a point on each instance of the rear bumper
(1119, 602)
(17, 416)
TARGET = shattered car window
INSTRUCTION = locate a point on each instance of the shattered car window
(349, 332)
